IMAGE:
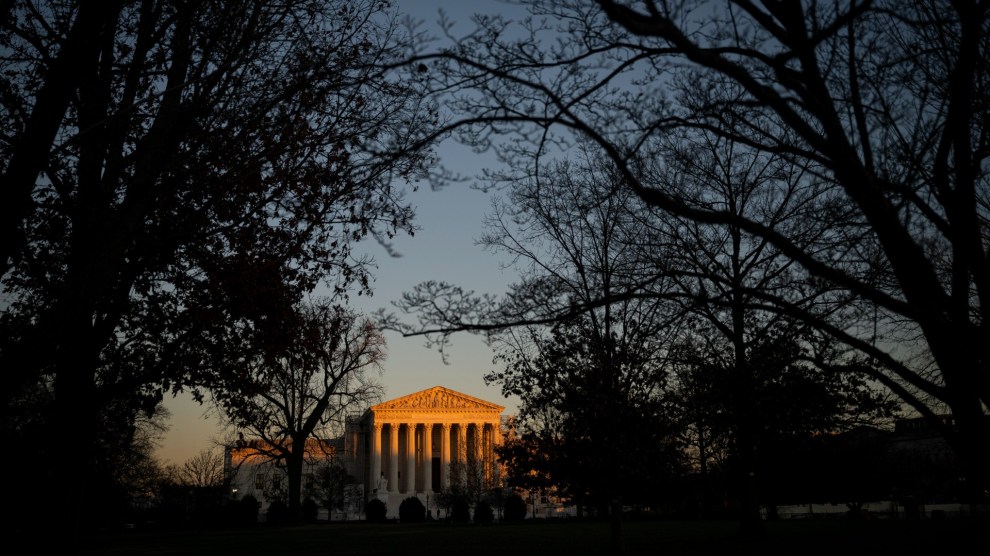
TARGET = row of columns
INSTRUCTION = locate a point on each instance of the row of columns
(417, 456)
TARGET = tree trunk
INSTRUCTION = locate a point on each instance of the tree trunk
(31, 149)
(750, 524)
(615, 525)
(293, 468)
(75, 416)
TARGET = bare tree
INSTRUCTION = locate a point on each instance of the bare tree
(205, 470)
(880, 107)
(300, 400)
(600, 368)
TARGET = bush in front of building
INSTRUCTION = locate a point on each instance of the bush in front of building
(412, 510)
(515, 508)
(375, 511)
(483, 514)
(310, 510)
(460, 510)
(278, 513)
(246, 510)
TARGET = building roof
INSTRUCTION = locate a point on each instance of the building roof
(437, 401)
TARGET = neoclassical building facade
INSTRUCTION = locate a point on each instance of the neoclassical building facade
(417, 445)
(423, 443)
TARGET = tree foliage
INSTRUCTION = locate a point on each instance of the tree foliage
(177, 176)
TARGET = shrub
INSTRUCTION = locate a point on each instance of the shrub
(310, 510)
(460, 511)
(483, 514)
(278, 513)
(515, 508)
(247, 510)
(412, 510)
(375, 510)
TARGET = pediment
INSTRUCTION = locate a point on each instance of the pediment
(438, 397)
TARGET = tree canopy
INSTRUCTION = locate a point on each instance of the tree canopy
(177, 175)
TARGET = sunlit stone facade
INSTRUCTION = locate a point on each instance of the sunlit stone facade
(410, 446)
(416, 445)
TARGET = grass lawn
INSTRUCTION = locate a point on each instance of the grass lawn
(798, 537)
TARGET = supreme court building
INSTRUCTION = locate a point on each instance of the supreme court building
(423, 443)
(416, 445)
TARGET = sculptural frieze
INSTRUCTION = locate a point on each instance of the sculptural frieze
(438, 398)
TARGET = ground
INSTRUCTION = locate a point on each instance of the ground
(805, 537)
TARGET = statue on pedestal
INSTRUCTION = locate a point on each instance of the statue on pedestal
(381, 489)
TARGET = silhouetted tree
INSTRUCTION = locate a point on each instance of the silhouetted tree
(790, 402)
(306, 393)
(126, 475)
(592, 384)
(205, 469)
(180, 175)
(878, 108)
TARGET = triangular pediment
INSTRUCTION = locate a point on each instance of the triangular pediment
(438, 397)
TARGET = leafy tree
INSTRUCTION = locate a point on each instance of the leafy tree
(181, 174)
(125, 472)
(790, 402)
(306, 394)
(878, 109)
(578, 417)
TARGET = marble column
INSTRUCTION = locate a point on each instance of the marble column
(427, 457)
(445, 457)
(478, 443)
(410, 458)
(485, 441)
(484, 457)
(376, 456)
(462, 444)
(393, 457)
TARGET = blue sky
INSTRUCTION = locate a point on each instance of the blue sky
(444, 248)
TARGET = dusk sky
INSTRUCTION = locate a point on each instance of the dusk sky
(444, 248)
